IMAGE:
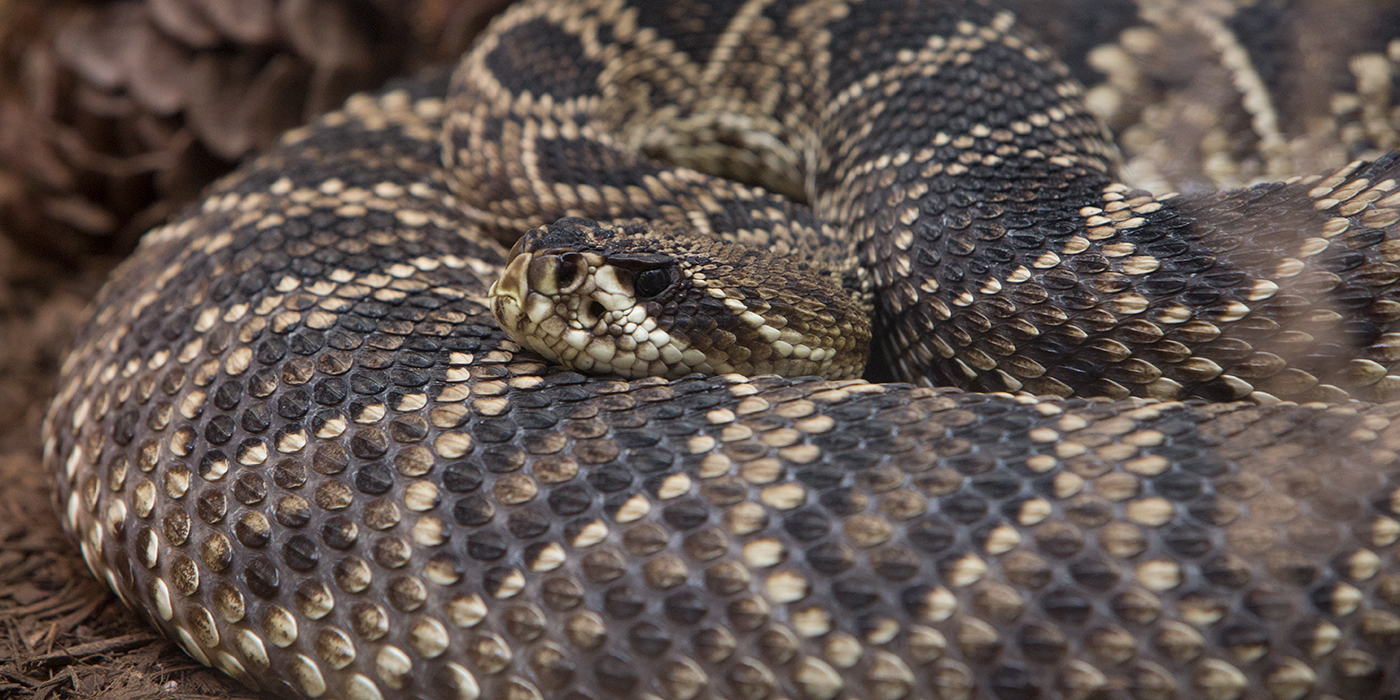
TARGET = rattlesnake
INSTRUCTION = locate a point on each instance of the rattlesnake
(296, 439)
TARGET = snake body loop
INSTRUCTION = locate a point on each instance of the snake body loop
(294, 436)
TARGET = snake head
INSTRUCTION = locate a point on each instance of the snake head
(637, 299)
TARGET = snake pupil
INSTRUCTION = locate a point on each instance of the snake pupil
(649, 283)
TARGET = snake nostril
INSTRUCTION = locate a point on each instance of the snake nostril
(596, 309)
(570, 266)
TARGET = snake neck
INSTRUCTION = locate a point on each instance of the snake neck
(959, 157)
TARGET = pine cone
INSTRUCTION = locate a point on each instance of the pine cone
(112, 115)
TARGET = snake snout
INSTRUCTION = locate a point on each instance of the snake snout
(508, 293)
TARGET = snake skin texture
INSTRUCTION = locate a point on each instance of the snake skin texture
(294, 437)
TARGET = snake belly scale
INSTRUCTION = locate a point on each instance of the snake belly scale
(294, 437)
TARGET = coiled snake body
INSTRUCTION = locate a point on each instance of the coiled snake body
(295, 438)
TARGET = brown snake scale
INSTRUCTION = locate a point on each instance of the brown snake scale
(295, 438)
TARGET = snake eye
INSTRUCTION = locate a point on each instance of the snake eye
(649, 283)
